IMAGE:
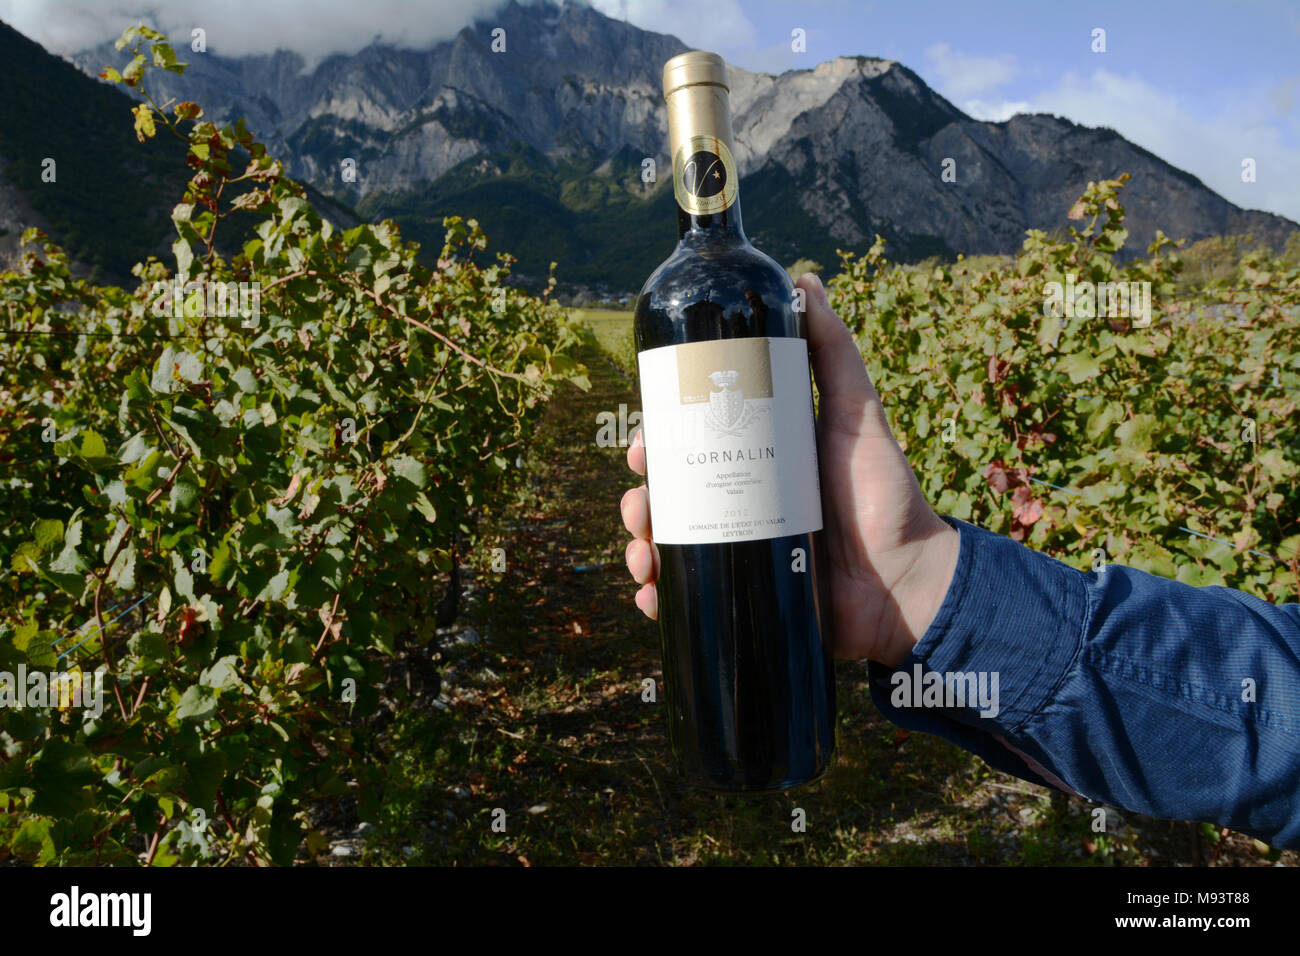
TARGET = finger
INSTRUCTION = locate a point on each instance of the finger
(848, 399)
(636, 512)
(642, 560)
(647, 599)
(636, 452)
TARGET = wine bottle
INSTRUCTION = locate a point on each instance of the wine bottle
(731, 467)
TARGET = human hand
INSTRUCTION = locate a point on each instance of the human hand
(891, 558)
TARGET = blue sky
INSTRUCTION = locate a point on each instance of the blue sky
(1201, 84)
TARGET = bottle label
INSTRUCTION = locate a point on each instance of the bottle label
(731, 453)
(704, 176)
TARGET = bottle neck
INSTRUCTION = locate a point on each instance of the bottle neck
(705, 182)
(720, 228)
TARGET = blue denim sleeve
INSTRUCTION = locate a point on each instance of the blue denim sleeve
(1122, 687)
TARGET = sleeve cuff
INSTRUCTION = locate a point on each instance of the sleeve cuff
(1008, 631)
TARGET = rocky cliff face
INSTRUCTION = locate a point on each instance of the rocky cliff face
(556, 126)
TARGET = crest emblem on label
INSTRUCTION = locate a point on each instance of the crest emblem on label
(729, 413)
(729, 381)
(704, 176)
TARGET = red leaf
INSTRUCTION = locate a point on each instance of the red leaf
(1028, 508)
(189, 626)
(997, 476)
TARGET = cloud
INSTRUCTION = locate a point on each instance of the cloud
(1208, 140)
(1283, 95)
(313, 28)
(961, 76)
(995, 111)
(317, 28)
(719, 25)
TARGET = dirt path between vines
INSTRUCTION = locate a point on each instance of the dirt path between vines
(540, 749)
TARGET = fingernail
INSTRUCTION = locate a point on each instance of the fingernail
(821, 289)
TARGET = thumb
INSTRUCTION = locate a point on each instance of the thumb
(849, 401)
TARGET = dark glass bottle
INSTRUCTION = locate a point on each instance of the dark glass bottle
(732, 473)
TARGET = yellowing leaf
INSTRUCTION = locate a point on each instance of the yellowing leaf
(144, 125)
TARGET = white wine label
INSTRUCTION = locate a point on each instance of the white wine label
(731, 454)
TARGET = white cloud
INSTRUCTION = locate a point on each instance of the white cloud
(961, 76)
(313, 28)
(719, 25)
(1210, 143)
(316, 28)
(995, 111)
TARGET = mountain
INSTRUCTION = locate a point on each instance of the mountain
(108, 198)
(544, 143)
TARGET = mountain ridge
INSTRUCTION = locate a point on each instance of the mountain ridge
(556, 126)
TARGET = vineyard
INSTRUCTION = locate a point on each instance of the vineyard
(329, 541)
(240, 513)
(1167, 442)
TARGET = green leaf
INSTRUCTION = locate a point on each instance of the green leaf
(182, 496)
(410, 470)
(275, 588)
(285, 521)
(135, 448)
(122, 574)
(134, 70)
(206, 770)
(61, 774)
(184, 581)
(184, 257)
(68, 570)
(220, 564)
(1135, 435)
(189, 366)
(158, 774)
(223, 674)
(244, 378)
(47, 533)
(26, 558)
(1102, 419)
(33, 842)
(165, 56)
(183, 428)
(137, 386)
(92, 446)
(1276, 465)
(1081, 366)
(162, 371)
(425, 507)
(197, 703)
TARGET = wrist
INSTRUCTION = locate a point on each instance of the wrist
(921, 591)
